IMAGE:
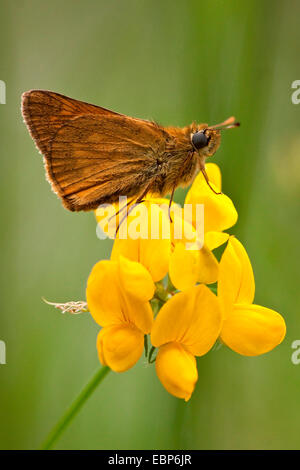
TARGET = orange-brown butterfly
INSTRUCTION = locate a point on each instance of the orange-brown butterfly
(93, 155)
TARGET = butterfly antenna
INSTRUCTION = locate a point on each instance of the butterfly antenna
(227, 124)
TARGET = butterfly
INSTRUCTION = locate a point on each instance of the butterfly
(93, 155)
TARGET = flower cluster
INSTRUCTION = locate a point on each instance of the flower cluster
(165, 287)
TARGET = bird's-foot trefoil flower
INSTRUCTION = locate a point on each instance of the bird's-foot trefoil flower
(186, 254)
(248, 329)
(150, 244)
(187, 326)
(189, 266)
(118, 294)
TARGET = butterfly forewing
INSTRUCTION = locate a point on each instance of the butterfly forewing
(96, 159)
(92, 155)
(45, 112)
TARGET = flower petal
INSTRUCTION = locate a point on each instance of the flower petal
(155, 256)
(247, 286)
(120, 346)
(136, 280)
(109, 302)
(184, 267)
(102, 269)
(214, 174)
(155, 251)
(126, 247)
(152, 251)
(208, 266)
(219, 211)
(103, 294)
(177, 370)
(236, 280)
(187, 267)
(191, 318)
(107, 221)
(181, 228)
(252, 330)
(215, 239)
(137, 313)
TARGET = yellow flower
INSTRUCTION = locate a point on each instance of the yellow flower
(118, 294)
(153, 247)
(219, 211)
(183, 252)
(189, 266)
(248, 329)
(150, 249)
(187, 326)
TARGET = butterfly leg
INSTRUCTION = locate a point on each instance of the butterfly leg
(189, 157)
(170, 203)
(135, 202)
(202, 168)
(121, 209)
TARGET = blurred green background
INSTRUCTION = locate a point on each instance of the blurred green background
(174, 62)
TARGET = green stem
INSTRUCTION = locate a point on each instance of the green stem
(146, 345)
(150, 360)
(74, 408)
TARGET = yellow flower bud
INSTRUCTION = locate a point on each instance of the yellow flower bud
(176, 369)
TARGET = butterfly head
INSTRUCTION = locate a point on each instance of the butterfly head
(206, 140)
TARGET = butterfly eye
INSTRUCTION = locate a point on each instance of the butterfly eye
(199, 140)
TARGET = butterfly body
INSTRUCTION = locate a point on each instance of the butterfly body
(93, 155)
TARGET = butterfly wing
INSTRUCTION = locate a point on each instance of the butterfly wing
(92, 155)
(45, 112)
